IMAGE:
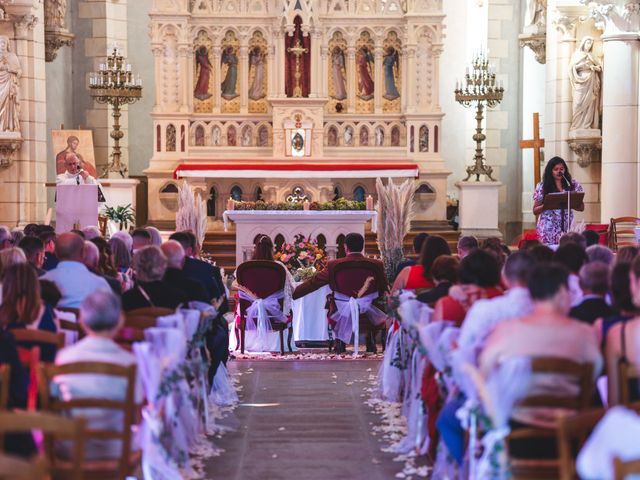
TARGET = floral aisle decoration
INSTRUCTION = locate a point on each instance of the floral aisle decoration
(339, 204)
(302, 257)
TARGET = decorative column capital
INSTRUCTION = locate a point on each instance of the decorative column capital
(615, 17)
(24, 23)
(537, 44)
(566, 25)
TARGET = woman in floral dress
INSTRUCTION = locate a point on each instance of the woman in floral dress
(553, 223)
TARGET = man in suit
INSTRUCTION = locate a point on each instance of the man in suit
(594, 282)
(218, 336)
(176, 277)
(353, 245)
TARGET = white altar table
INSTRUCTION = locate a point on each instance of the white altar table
(289, 223)
(310, 316)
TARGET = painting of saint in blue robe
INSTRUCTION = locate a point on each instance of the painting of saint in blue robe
(228, 86)
(390, 64)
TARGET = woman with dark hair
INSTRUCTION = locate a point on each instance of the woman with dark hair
(552, 223)
(263, 248)
(444, 272)
(105, 262)
(479, 277)
(418, 277)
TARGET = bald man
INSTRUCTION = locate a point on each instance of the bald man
(71, 276)
(74, 174)
(175, 276)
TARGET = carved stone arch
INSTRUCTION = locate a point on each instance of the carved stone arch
(228, 139)
(244, 128)
(259, 28)
(215, 139)
(258, 131)
(327, 136)
(359, 192)
(257, 6)
(169, 29)
(236, 192)
(364, 127)
(332, 31)
(168, 196)
(342, 139)
(193, 132)
(171, 138)
(386, 132)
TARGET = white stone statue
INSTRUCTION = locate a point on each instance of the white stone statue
(215, 136)
(584, 74)
(348, 136)
(54, 13)
(379, 136)
(10, 72)
(536, 15)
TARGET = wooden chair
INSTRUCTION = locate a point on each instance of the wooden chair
(54, 427)
(622, 232)
(264, 278)
(5, 385)
(25, 335)
(348, 278)
(30, 359)
(627, 373)
(622, 469)
(128, 461)
(572, 432)
(137, 321)
(583, 375)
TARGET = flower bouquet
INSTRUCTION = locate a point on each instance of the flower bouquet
(302, 257)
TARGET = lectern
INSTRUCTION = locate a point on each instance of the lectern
(76, 207)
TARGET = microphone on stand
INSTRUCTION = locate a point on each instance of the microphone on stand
(567, 181)
(77, 179)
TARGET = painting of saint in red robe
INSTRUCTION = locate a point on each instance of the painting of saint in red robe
(203, 71)
(364, 64)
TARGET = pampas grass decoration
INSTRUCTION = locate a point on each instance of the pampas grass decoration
(395, 212)
(192, 213)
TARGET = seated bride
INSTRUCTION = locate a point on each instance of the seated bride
(263, 309)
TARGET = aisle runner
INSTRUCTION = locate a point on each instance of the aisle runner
(302, 355)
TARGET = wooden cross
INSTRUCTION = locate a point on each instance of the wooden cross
(536, 143)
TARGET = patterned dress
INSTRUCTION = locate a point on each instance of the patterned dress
(551, 224)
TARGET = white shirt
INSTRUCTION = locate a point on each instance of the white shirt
(485, 315)
(67, 178)
(574, 290)
(97, 349)
(75, 283)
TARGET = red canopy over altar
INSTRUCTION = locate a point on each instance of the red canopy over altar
(296, 170)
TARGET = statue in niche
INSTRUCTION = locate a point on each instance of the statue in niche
(391, 65)
(10, 72)
(423, 140)
(256, 61)
(263, 137)
(365, 66)
(55, 11)
(364, 137)
(379, 136)
(203, 70)
(231, 136)
(228, 85)
(348, 136)
(584, 74)
(215, 136)
(332, 137)
(338, 70)
(536, 15)
(246, 137)
(395, 137)
(199, 136)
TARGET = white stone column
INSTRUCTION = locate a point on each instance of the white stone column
(411, 79)
(404, 66)
(186, 69)
(271, 70)
(351, 79)
(316, 36)
(620, 137)
(279, 37)
(216, 78)
(324, 68)
(244, 78)
(157, 51)
(436, 51)
(378, 79)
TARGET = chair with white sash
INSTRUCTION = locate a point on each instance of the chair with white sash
(261, 309)
(352, 310)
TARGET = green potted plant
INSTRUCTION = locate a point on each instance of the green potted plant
(123, 216)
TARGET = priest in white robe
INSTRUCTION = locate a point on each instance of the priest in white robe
(74, 175)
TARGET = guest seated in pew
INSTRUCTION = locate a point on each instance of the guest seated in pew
(150, 290)
(626, 254)
(141, 238)
(101, 318)
(466, 244)
(546, 332)
(572, 256)
(444, 273)
(33, 249)
(418, 241)
(71, 276)
(418, 276)
(48, 237)
(91, 259)
(22, 306)
(599, 253)
(175, 276)
(594, 283)
(11, 256)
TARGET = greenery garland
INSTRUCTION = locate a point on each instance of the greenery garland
(339, 204)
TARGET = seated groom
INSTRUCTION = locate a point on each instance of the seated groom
(352, 283)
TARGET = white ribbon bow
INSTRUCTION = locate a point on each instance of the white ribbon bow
(264, 309)
(348, 310)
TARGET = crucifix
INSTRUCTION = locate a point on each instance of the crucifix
(297, 50)
(536, 143)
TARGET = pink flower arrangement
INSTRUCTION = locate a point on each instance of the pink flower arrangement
(302, 253)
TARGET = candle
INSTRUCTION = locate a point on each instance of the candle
(230, 204)
(305, 205)
(369, 202)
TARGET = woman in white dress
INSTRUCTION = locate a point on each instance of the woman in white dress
(585, 82)
(10, 72)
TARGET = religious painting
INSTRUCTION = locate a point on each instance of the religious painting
(379, 134)
(247, 136)
(257, 73)
(203, 74)
(337, 74)
(263, 136)
(297, 142)
(298, 62)
(332, 137)
(170, 138)
(423, 139)
(395, 137)
(199, 136)
(391, 69)
(215, 136)
(78, 142)
(364, 136)
(229, 73)
(365, 72)
(231, 136)
(348, 136)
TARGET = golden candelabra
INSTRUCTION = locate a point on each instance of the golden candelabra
(479, 87)
(298, 50)
(115, 84)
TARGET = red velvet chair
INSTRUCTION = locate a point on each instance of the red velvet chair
(264, 278)
(348, 278)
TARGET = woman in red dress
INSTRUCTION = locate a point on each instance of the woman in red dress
(418, 276)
